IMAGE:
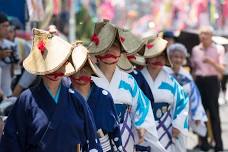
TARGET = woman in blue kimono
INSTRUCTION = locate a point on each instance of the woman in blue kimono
(49, 117)
(177, 54)
(99, 100)
(170, 104)
(133, 107)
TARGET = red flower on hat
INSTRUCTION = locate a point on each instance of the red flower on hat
(95, 39)
(41, 46)
(149, 45)
(122, 39)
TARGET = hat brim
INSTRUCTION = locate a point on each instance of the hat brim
(157, 46)
(79, 57)
(95, 68)
(131, 43)
(69, 69)
(105, 37)
(139, 60)
(56, 53)
(124, 63)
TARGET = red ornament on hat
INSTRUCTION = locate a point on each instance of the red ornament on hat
(41, 46)
(122, 39)
(95, 39)
(131, 57)
(149, 45)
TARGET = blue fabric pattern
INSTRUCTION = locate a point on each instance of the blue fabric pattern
(181, 96)
(142, 100)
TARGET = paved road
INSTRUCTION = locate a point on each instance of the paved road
(192, 139)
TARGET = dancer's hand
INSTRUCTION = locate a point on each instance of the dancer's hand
(175, 132)
(197, 122)
(141, 133)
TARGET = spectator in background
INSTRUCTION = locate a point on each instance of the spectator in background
(207, 64)
(22, 79)
(7, 56)
(177, 54)
(225, 76)
(62, 24)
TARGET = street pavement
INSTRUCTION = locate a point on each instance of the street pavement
(192, 139)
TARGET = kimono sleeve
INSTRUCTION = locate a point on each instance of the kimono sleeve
(140, 105)
(115, 135)
(197, 110)
(93, 144)
(14, 134)
(181, 108)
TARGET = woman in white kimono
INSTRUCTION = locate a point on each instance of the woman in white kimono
(170, 104)
(177, 54)
(132, 106)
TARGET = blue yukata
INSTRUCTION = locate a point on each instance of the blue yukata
(170, 106)
(197, 111)
(38, 123)
(101, 104)
(133, 109)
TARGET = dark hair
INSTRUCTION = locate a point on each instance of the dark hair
(168, 34)
(3, 18)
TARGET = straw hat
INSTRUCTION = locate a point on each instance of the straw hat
(80, 57)
(49, 53)
(137, 59)
(127, 62)
(153, 47)
(124, 63)
(105, 34)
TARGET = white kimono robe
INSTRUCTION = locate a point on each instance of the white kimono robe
(125, 91)
(197, 111)
(170, 107)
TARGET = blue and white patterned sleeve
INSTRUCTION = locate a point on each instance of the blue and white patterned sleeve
(140, 106)
(181, 108)
(196, 107)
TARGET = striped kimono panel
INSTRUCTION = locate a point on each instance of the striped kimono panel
(163, 117)
(126, 129)
(170, 106)
(126, 93)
